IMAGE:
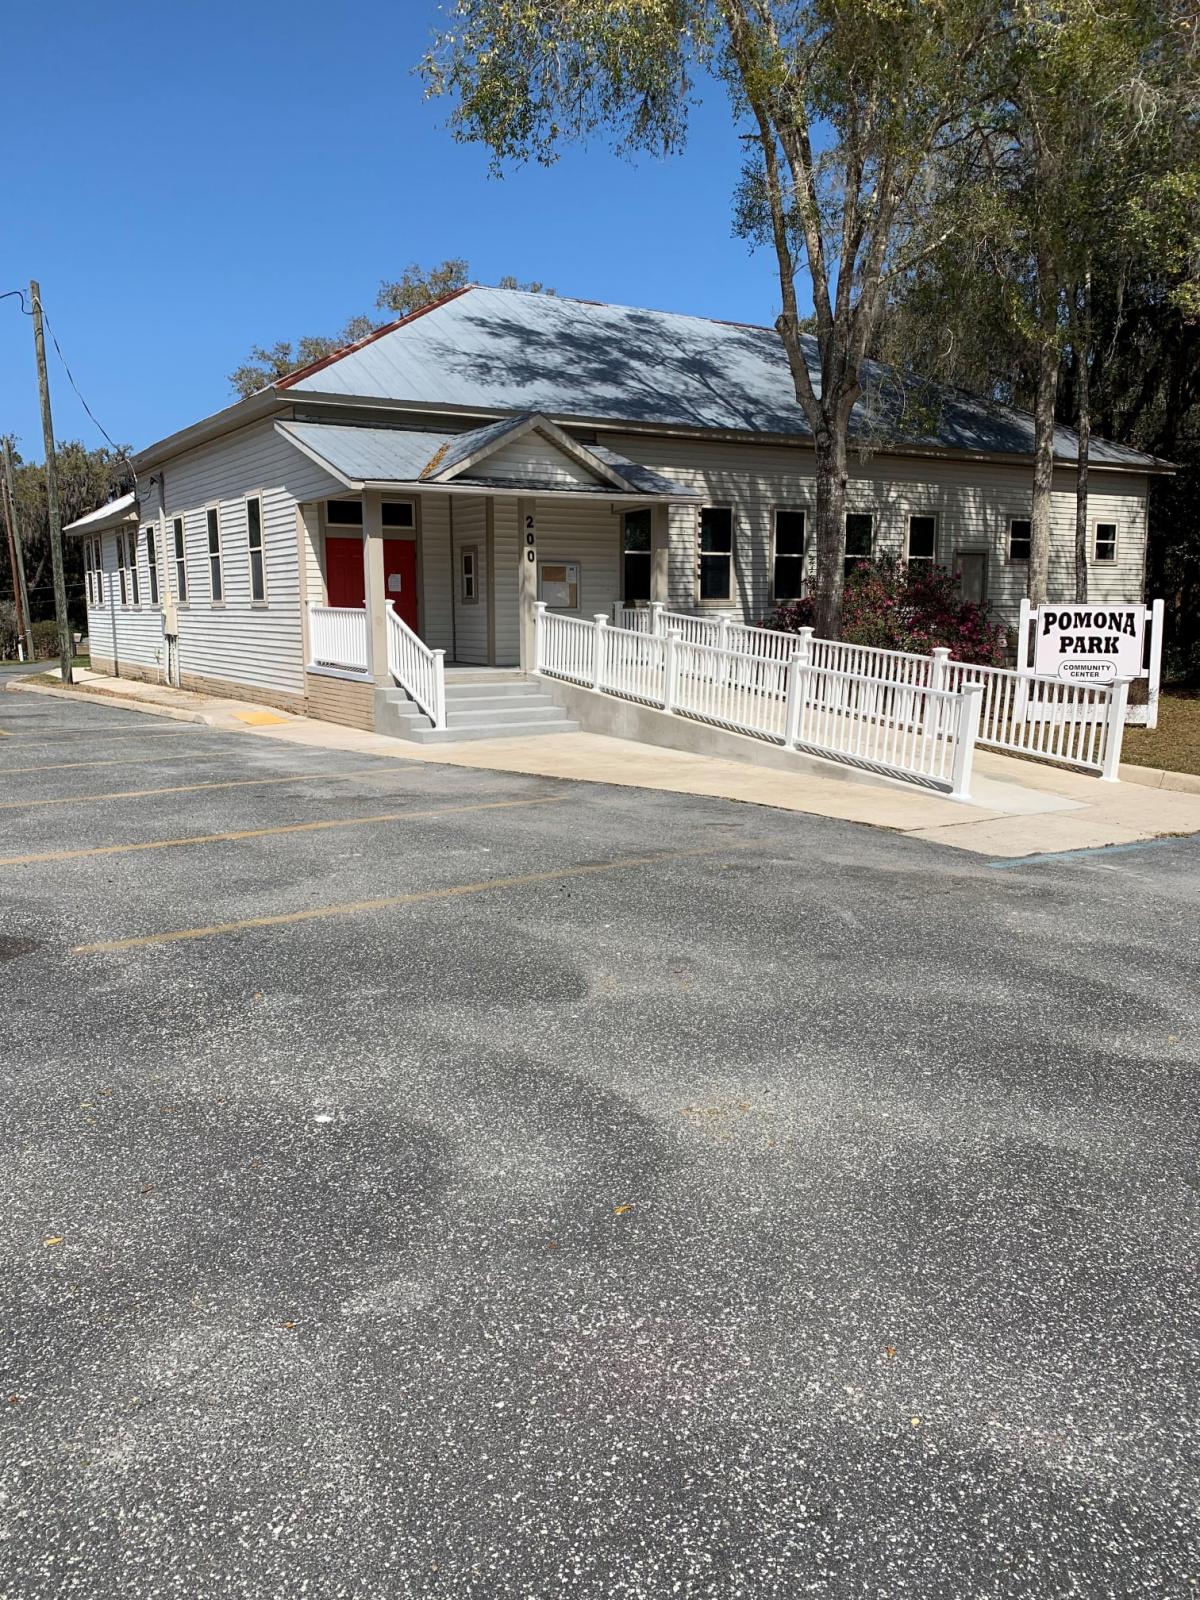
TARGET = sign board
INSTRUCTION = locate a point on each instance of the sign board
(1089, 643)
(560, 585)
(395, 583)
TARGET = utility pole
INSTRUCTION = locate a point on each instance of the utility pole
(16, 556)
(56, 555)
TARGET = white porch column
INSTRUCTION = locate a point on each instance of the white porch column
(527, 581)
(375, 586)
(660, 547)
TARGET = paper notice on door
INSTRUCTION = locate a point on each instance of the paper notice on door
(395, 583)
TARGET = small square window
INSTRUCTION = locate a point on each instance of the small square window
(343, 513)
(1106, 541)
(396, 514)
(1020, 531)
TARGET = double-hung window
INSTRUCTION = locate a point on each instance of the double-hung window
(636, 558)
(716, 553)
(97, 549)
(135, 587)
(216, 587)
(922, 540)
(87, 572)
(181, 589)
(122, 573)
(787, 562)
(258, 559)
(1106, 541)
(1020, 533)
(860, 539)
(152, 565)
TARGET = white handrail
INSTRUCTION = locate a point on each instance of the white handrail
(337, 637)
(420, 671)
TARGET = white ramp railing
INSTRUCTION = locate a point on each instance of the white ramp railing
(905, 730)
(337, 637)
(420, 671)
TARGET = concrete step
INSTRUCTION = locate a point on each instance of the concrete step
(496, 702)
(510, 730)
(525, 715)
(492, 691)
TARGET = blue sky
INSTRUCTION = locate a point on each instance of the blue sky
(186, 181)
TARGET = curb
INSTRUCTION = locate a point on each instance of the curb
(174, 713)
(1160, 778)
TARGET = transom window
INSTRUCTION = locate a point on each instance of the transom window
(343, 513)
(860, 539)
(922, 539)
(216, 584)
(254, 540)
(1106, 541)
(716, 553)
(787, 568)
(636, 574)
(181, 588)
(396, 514)
(1020, 534)
(152, 565)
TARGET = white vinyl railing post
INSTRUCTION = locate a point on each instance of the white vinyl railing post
(539, 635)
(939, 656)
(722, 633)
(1155, 667)
(439, 689)
(671, 671)
(970, 704)
(1114, 731)
(797, 685)
(656, 616)
(601, 622)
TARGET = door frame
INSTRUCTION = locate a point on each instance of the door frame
(976, 550)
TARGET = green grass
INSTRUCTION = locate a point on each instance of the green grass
(1174, 746)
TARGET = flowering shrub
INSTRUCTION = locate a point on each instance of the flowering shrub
(896, 606)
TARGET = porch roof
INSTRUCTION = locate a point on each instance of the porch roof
(422, 458)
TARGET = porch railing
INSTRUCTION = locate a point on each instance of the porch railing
(337, 637)
(419, 671)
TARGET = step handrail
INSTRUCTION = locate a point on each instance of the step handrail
(420, 671)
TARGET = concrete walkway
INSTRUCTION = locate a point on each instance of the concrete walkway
(1020, 808)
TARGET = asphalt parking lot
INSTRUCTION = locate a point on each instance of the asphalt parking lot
(427, 1182)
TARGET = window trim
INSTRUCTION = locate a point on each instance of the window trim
(922, 516)
(975, 550)
(873, 518)
(179, 556)
(264, 598)
(87, 571)
(1009, 558)
(730, 557)
(395, 527)
(773, 591)
(626, 552)
(135, 581)
(341, 500)
(212, 519)
(97, 545)
(1105, 522)
(468, 552)
(151, 564)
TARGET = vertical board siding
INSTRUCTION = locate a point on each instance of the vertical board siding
(470, 621)
(587, 532)
(507, 555)
(972, 500)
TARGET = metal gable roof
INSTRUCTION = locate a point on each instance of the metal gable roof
(360, 455)
(508, 350)
(112, 515)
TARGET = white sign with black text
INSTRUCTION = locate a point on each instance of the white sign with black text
(1089, 643)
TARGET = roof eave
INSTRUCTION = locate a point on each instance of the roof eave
(263, 404)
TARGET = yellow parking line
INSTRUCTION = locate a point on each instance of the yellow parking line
(110, 761)
(320, 826)
(388, 902)
(189, 788)
(120, 728)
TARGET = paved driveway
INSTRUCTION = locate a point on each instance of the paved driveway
(424, 1182)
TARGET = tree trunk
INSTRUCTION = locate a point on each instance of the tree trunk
(829, 528)
(1043, 445)
(1083, 427)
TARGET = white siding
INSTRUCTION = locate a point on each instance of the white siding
(470, 621)
(533, 459)
(586, 531)
(507, 554)
(239, 642)
(127, 634)
(972, 501)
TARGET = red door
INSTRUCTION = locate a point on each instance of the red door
(400, 578)
(344, 572)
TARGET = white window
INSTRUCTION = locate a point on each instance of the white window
(922, 540)
(396, 514)
(122, 574)
(469, 572)
(716, 553)
(258, 559)
(181, 589)
(1106, 541)
(343, 513)
(636, 574)
(860, 539)
(216, 587)
(97, 549)
(787, 564)
(1020, 533)
(87, 572)
(152, 565)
